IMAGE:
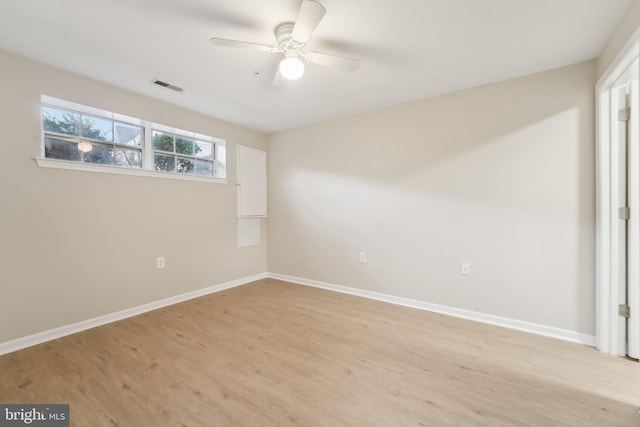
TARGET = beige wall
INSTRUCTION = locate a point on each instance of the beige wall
(76, 245)
(501, 176)
(629, 23)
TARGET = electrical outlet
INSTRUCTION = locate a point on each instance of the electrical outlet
(160, 262)
(465, 269)
(363, 257)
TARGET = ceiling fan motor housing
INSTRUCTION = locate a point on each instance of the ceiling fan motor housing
(284, 39)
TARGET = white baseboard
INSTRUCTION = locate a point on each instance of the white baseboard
(519, 325)
(40, 337)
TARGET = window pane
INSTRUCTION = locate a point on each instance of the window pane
(100, 155)
(204, 150)
(164, 163)
(162, 141)
(128, 134)
(185, 165)
(60, 121)
(204, 168)
(184, 146)
(128, 158)
(97, 128)
(63, 150)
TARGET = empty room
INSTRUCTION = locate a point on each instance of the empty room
(320, 213)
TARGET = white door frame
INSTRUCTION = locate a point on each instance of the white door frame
(608, 254)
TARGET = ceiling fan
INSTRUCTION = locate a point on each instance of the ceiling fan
(292, 39)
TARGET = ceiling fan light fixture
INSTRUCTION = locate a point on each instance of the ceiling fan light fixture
(291, 68)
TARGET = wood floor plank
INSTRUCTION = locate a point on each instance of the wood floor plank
(272, 353)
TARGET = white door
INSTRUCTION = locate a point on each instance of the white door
(618, 186)
(628, 200)
(633, 224)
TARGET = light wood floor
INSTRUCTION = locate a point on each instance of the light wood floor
(276, 354)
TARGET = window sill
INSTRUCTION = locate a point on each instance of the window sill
(63, 164)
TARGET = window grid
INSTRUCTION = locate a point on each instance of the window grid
(183, 154)
(105, 144)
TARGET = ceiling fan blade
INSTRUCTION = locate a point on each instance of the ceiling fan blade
(332, 61)
(278, 79)
(309, 16)
(247, 45)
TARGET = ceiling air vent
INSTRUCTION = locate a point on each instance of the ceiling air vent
(167, 85)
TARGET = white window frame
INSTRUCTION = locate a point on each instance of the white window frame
(219, 163)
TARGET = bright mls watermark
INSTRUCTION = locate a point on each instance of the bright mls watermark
(34, 415)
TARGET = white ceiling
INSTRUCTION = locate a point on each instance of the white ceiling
(409, 49)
